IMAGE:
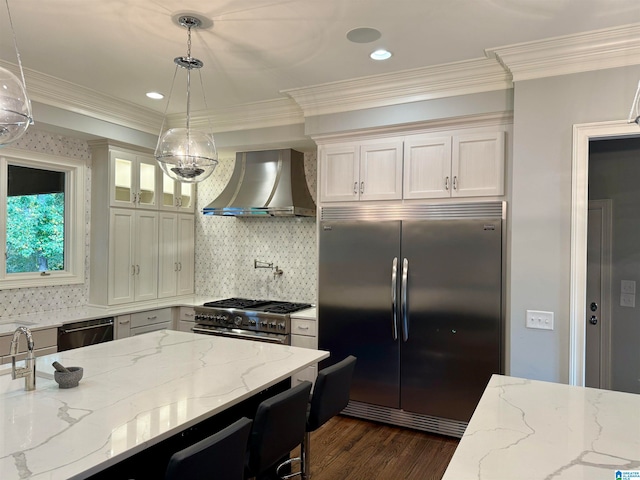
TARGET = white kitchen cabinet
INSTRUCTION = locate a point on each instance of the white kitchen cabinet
(186, 319)
(133, 180)
(122, 327)
(477, 164)
(361, 171)
(304, 335)
(177, 196)
(176, 255)
(133, 256)
(461, 165)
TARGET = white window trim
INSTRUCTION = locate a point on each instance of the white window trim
(75, 224)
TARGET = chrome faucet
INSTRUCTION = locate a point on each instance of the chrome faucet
(29, 370)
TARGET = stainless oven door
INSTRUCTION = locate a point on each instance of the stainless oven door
(243, 334)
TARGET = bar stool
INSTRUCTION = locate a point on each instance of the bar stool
(278, 428)
(330, 397)
(218, 457)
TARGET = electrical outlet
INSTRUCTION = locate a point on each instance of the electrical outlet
(538, 319)
(627, 300)
(627, 286)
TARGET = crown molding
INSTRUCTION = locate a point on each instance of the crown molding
(582, 52)
(447, 80)
(68, 96)
(269, 113)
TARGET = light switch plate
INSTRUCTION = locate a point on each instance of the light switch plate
(628, 286)
(539, 319)
(628, 300)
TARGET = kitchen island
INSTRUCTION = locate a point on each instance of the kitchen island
(135, 393)
(526, 429)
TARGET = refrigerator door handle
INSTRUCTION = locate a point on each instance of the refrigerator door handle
(394, 300)
(403, 305)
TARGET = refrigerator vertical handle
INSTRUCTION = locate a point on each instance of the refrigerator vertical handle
(394, 300)
(403, 305)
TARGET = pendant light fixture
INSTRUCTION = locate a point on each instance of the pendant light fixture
(15, 106)
(634, 113)
(186, 154)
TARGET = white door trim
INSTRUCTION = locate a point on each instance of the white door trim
(582, 133)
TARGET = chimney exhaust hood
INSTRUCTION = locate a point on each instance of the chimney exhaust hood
(265, 183)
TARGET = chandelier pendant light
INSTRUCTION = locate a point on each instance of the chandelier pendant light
(634, 113)
(15, 106)
(186, 154)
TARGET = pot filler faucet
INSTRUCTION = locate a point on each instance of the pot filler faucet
(29, 370)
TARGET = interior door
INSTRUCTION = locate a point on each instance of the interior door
(355, 307)
(454, 311)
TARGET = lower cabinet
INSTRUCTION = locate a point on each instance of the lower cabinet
(45, 342)
(143, 322)
(186, 319)
(304, 335)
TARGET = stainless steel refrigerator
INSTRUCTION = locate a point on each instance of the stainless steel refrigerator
(415, 293)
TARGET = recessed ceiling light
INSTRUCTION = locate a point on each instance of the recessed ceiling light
(155, 95)
(363, 35)
(380, 54)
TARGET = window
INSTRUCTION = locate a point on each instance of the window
(42, 205)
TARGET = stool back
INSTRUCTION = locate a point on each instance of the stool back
(331, 392)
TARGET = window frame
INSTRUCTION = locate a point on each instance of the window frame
(75, 224)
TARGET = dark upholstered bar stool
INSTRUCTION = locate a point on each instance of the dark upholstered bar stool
(278, 428)
(218, 457)
(330, 397)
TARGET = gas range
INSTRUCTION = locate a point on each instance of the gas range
(263, 320)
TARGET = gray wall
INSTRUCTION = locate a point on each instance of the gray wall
(545, 111)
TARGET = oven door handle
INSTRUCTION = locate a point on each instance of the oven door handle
(246, 336)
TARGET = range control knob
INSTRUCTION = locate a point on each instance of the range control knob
(237, 321)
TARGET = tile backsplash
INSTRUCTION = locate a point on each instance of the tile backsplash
(19, 301)
(226, 247)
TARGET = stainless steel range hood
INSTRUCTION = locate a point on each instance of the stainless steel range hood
(265, 183)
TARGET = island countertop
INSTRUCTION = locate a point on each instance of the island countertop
(528, 429)
(135, 392)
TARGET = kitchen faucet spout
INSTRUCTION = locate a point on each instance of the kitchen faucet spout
(28, 372)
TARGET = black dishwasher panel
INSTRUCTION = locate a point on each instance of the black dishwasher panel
(87, 332)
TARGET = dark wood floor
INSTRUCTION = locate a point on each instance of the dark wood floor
(348, 448)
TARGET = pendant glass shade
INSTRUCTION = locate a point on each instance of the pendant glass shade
(15, 108)
(186, 155)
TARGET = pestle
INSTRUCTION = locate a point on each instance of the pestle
(60, 368)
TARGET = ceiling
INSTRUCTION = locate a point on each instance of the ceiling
(255, 49)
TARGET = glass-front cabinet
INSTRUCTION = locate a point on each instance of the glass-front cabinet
(133, 180)
(177, 196)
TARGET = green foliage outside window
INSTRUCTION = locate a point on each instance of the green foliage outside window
(35, 233)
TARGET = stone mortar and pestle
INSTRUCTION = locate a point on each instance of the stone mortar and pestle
(67, 377)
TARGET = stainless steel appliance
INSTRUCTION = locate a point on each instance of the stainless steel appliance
(261, 320)
(415, 293)
(84, 333)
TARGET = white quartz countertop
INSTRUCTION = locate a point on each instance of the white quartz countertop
(134, 393)
(526, 429)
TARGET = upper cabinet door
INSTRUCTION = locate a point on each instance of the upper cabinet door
(134, 181)
(427, 167)
(339, 173)
(381, 171)
(478, 164)
(176, 196)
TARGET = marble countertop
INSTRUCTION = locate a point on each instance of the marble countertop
(526, 429)
(308, 314)
(134, 393)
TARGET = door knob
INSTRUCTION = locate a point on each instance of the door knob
(593, 320)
